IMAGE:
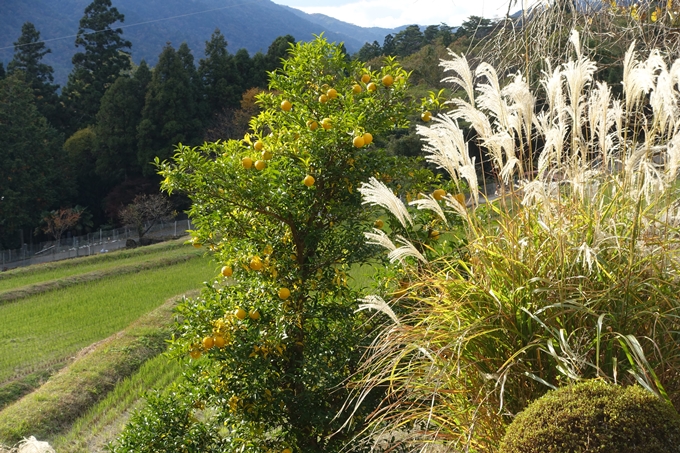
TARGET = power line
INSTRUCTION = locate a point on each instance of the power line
(129, 25)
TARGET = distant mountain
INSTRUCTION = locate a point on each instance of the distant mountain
(150, 24)
(361, 34)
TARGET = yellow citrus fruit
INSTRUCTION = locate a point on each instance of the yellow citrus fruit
(326, 123)
(461, 198)
(434, 234)
(287, 450)
(332, 93)
(286, 106)
(426, 116)
(368, 138)
(247, 162)
(227, 271)
(258, 145)
(323, 98)
(256, 263)
(284, 293)
(266, 155)
(308, 181)
(312, 125)
(439, 194)
(260, 164)
(197, 244)
(358, 142)
(366, 78)
(254, 314)
(240, 313)
(371, 86)
(208, 343)
(379, 224)
(388, 80)
(195, 354)
(219, 341)
(356, 89)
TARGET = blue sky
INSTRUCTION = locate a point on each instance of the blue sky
(393, 13)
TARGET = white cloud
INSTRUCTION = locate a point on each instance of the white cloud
(394, 13)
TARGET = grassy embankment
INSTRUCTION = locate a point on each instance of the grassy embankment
(41, 333)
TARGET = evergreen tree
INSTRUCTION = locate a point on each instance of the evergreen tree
(2, 71)
(116, 130)
(219, 75)
(277, 51)
(96, 68)
(369, 51)
(408, 41)
(258, 72)
(171, 110)
(388, 47)
(29, 51)
(33, 174)
(80, 151)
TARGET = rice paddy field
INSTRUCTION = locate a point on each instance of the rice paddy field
(60, 312)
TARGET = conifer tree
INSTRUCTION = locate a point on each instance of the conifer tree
(104, 58)
(219, 75)
(33, 177)
(29, 51)
(116, 130)
(171, 111)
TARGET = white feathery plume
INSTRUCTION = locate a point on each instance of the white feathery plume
(653, 181)
(446, 147)
(490, 97)
(664, 102)
(377, 303)
(639, 77)
(378, 237)
(466, 111)
(502, 148)
(406, 249)
(468, 172)
(552, 83)
(376, 193)
(675, 72)
(523, 101)
(673, 159)
(587, 256)
(428, 202)
(575, 40)
(551, 155)
(459, 65)
(629, 64)
(600, 120)
(457, 206)
(445, 144)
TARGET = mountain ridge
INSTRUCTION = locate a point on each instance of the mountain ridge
(151, 24)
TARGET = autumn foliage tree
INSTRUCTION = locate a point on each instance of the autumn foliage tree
(58, 221)
(277, 333)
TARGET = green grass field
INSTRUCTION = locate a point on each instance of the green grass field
(60, 269)
(106, 419)
(39, 331)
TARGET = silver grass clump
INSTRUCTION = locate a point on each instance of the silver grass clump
(378, 194)
(585, 131)
(377, 303)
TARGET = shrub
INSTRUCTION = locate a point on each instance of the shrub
(596, 417)
(274, 336)
(570, 272)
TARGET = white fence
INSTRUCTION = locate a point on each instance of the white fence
(101, 241)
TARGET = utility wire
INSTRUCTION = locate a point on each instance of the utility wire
(129, 25)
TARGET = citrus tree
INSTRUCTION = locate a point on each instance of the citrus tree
(274, 337)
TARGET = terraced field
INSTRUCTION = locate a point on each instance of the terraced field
(111, 312)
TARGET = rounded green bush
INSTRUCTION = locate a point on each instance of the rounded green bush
(594, 416)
